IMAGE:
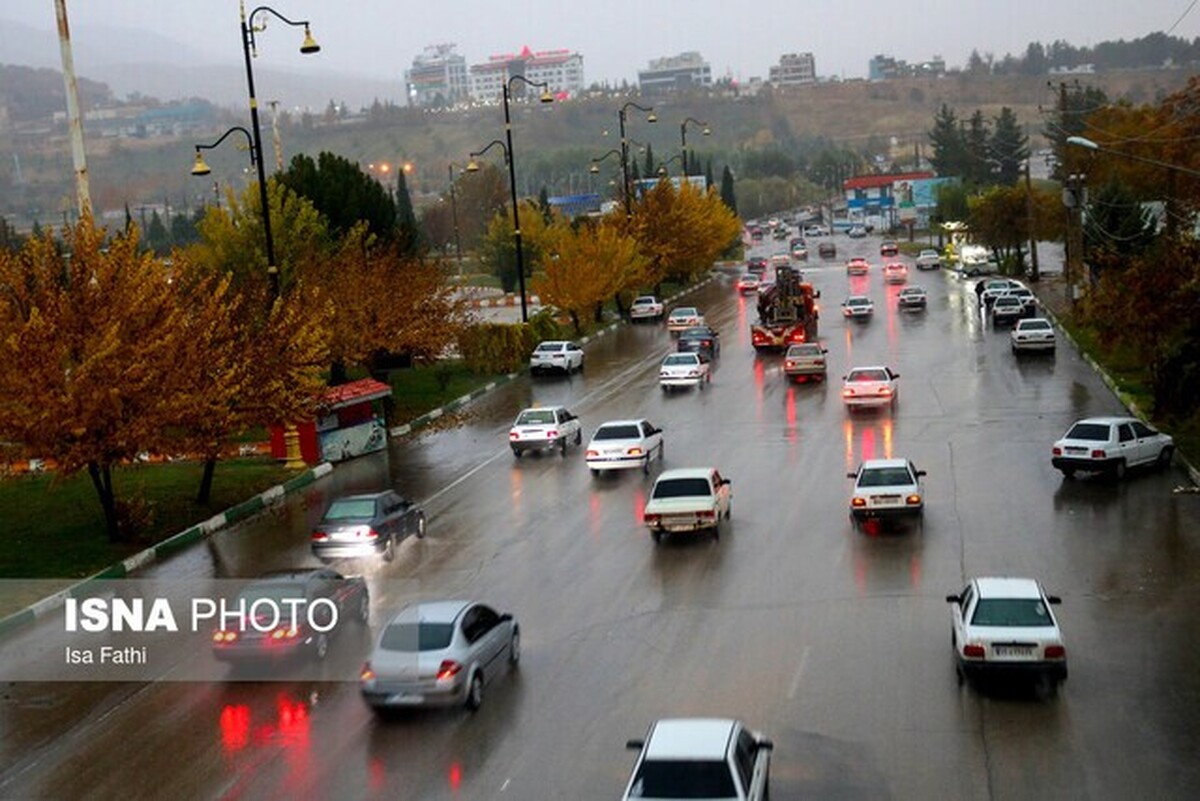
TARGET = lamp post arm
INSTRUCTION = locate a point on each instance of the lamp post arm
(224, 136)
(490, 145)
(248, 21)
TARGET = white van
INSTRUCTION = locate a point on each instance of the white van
(975, 260)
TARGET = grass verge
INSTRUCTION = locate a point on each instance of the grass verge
(417, 390)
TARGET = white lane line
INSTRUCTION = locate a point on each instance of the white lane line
(464, 476)
(795, 685)
(504, 786)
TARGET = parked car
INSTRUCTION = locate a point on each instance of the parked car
(687, 500)
(870, 386)
(367, 524)
(888, 248)
(929, 259)
(646, 307)
(556, 355)
(1110, 445)
(895, 272)
(544, 428)
(1007, 310)
(886, 489)
(806, 360)
(748, 284)
(684, 370)
(827, 250)
(858, 266)
(856, 232)
(858, 307)
(816, 230)
(257, 640)
(995, 287)
(684, 317)
(700, 339)
(622, 444)
(912, 298)
(1033, 334)
(702, 758)
(439, 653)
(1026, 296)
(1004, 627)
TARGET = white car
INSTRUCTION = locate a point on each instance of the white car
(1033, 334)
(1110, 445)
(622, 444)
(646, 307)
(806, 360)
(816, 230)
(687, 500)
(995, 287)
(684, 370)
(716, 759)
(912, 298)
(929, 259)
(560, 356)
(1004, 627)
(895, 272)
(886, 489)
(544, 428)
(684, 317)
(780, 259)
(858, 307)
(870, 386)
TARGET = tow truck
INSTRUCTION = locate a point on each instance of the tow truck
(787, 312)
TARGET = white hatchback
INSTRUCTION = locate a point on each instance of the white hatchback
(869, 386)
(624, 444)
(1033, 334)
(684, 370)
(710, 758)
(1110, 445)
(886, 489)
(684, 317)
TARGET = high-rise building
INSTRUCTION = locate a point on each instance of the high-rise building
(675, 73)
(438, 76)
(794, 68)
(561, 70)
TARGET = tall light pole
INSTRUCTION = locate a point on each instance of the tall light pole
(545, 97)
(683, 138)
(454, 216)
(625, 149)
(309, 45)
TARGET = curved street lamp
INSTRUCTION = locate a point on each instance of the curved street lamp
(650, 117)
(683, 137)
(662, 172)
(473, 166)
(309, 45)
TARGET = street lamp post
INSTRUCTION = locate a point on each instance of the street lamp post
(683, 137)
(309, 45)
(650, 117)
(454, 217)
(473, 166)
(662, 171)
(594, 169)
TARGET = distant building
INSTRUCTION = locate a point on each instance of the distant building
(675, 73)
(562, 70)
(885, 68)
(881, 195)
(794, 69)
(437, 77)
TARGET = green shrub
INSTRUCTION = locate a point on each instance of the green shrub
(503, 347)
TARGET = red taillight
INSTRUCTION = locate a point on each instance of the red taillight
(224, 636)
(1057, 451)
(513, 435)
(790, 364)
(797, 336)
(591, 454)
(651, 518)
(819, 362)
(1056, 652)
(367, 532)
(707, 514)
(284, 634)
(448, 669)
(1098, 454)
(973, 651)
(552, 434)
(858, 502)
(366, 674)
(885, 390)
(847, 392)
(319, 536)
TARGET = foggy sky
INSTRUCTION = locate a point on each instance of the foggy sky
(379, 38)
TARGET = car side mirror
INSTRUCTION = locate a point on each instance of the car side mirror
(852, 475)
(728, 482)
(765, 744)
(895, 375)
(920, 473)
(507, 616)
(953, 599)
(824, 350)
(635, 745)
(817, 294)
(1054, 599)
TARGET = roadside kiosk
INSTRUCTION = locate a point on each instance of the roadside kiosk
(349, 423)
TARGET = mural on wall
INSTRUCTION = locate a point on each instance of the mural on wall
(346, 443)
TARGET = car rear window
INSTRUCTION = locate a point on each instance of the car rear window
(867, 375)
(684, 313)
(885, 477)
(1011, 612)
(550, 347)
(535, 418)
(681, 358)
(682, 488)
(277, 593)
(412, 637)
(618, 432)
(1097, 432)
(663, 778)
(1035, 325)
(347, 508)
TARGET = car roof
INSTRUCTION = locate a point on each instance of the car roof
(857, 297)
(431, 612)
(910, 289)
(686, 472)
(690, 738)
(1006, 587)
(553, 342)
(649, 298)
(873, 464)
(362, 496)
(549, 407)
(869, 367)
(1104, 420)
(629, 422)
(1029, 320)
(684, 353)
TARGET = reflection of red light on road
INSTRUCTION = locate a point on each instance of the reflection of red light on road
(848, 436)
(868, 443)
(293, 719)
(235, 726)
(790, 414)
(914, 572)
(455, 776)
(639, 504)
(594, 514)
(760, 374)
(887, 438)
(376, 773)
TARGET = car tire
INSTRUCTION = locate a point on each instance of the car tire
(646, 465)
(1068, 472)
(421, 527)
(1164, 457)
(959, 675)
(666, 389)
(581, 364)
(514, 647)
(716, 533)
(321, 648)
(579, 437)
(729, 512)
(389, 550)
(475, 692)
(1119, 470)
(517, 452)
(562, 446)
(656, 535)
(595, 473)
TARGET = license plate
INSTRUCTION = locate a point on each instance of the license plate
(1076, 450)
(405, 698)
(885, 500)
(1012, 650)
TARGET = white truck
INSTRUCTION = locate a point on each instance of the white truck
(975, 260)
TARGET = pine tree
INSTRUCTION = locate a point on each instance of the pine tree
(978, 170)
(728, 197)
(408, 236)
(1009, 147)
(544, 205)
(948, 151)
(708, 174)
(156, 235)
(651, 167)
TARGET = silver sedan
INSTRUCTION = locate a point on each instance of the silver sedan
(439, 653)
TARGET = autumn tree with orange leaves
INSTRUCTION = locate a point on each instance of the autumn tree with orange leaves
(584, 266)
(681, 232)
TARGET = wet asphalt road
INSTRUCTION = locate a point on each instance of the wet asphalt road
(833, 642)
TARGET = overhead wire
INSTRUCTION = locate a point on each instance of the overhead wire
(1186, 11)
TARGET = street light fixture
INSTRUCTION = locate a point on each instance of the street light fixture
(454, 212)
(309, 45)
(650, 117)
(1088, 144)
(683, 137)
(473, 166)
(662, 168)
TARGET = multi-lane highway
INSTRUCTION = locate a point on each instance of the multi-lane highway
(834, 643)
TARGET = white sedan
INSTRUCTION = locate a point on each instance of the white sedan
(684, 370)
(1034, 334)
(646, 307)
(886, 489)
(683, 318)
(687, 500)
(544, 428)
(623, 444)
(1110, 445)
(556, 355)
(1004, 627)
(710, 758)
(858, 307)
(870, 386)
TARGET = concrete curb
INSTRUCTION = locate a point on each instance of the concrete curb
(165, 548)
(1109, 382)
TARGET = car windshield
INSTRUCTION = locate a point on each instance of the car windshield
(680, 358)
(672, 778)
(867, 375)
(682, 488)
(1011, 612)
(644, 302)
(618, 432)
(858, 301)
(1093, 431)
(413, 637)
(884, 477)
(536, 417)
(347, 508)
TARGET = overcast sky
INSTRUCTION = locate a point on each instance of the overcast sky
(380, 37)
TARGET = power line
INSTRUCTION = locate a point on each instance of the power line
(1186, 11)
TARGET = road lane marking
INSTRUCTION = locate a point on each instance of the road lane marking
(504, 786)
(795, 685)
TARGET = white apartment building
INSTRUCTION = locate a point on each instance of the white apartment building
(675, 73)
(438, 76)
(562, 70)
(794, 69)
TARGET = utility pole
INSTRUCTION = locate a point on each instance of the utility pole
(1074, 198)
(74, 116)
(276, 139)
(1034, 273)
